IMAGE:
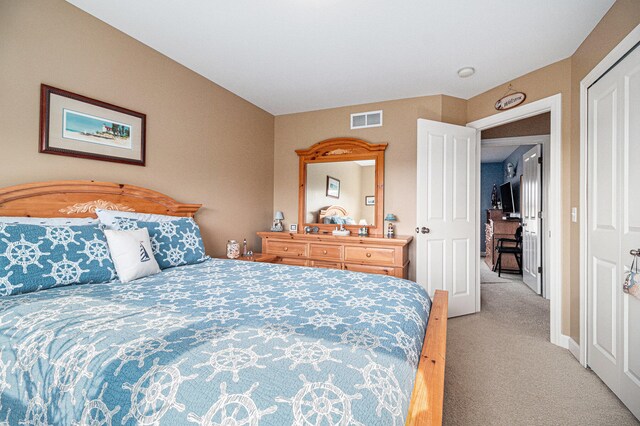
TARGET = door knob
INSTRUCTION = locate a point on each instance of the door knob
(425, 230)
(635, 252)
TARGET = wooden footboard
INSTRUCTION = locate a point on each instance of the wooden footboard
(425, 408)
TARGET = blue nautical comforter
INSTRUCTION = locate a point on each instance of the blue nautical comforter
(212, 343)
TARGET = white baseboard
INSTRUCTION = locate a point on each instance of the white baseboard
(574, 348)
(563, 341)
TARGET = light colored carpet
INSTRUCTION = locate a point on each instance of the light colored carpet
(502, 369)
(487, 276)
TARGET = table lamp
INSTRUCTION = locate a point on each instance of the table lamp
(390, 228)
(277, 222)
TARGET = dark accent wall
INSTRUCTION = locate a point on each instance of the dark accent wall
(516, 159)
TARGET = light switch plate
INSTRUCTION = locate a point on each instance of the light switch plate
(574, 214)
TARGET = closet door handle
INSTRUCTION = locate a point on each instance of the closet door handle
(635, 252)
(425, 230)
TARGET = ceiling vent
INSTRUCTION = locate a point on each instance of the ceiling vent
(362, 120)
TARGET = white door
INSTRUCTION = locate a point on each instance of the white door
(447, 243)
(531, 197)
(613, 350)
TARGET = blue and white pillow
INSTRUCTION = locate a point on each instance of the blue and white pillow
(174, 243)
(37, 257)
(109, 218)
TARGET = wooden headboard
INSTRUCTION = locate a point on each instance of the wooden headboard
(331, 211)
(80, 198)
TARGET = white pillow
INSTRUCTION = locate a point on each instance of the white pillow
(107, 217)
(131, 254)
(69, 221)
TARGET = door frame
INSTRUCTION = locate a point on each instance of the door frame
(544, 142)
(579, 350)
(552, 272)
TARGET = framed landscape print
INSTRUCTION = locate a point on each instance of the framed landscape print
(333, 187)
(78, 126)
(370, 200)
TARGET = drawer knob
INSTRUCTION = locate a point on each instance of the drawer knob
(368, 254)
(324, 252)
(286, 249)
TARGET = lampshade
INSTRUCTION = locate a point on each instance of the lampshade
(391, 217)
(279, 215)
(363, 222)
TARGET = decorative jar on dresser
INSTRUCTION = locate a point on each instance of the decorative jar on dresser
(374, 255)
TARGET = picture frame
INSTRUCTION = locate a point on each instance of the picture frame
(74, 125)
(293, 227)
(333, 187)
(370, 200)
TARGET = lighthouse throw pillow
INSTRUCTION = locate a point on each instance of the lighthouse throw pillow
(132, 254)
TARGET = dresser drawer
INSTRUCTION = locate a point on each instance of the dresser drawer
(374, 255)
(294, 261)
(324, 264)
(380, 270)
(287, 248)
(325, 251)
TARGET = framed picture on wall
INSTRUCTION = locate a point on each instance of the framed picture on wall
(333, 187)
(77, 126)
(370, 200)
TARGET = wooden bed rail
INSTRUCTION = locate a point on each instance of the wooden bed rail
(427, 398)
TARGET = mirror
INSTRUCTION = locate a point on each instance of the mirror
(341, 192)
(342, 183)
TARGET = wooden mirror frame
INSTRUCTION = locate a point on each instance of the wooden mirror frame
(336, 150)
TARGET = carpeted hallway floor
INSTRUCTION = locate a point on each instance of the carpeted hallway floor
(502, 369)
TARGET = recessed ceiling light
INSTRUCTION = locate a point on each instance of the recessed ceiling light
(466, 72)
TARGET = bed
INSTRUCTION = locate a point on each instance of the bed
(215, 342)
(331, 211)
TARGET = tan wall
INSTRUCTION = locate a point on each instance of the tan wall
(295, 131)
(537, 125)
(204, 144)
(564, 77)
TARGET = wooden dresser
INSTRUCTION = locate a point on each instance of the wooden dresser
(496, 228)
(375, 255)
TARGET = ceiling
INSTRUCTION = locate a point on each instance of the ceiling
(290, 56)
(495, 154)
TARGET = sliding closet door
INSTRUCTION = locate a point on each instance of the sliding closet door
(630, 206)
(614, 228)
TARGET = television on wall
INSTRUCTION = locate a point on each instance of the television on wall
(506, 195)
